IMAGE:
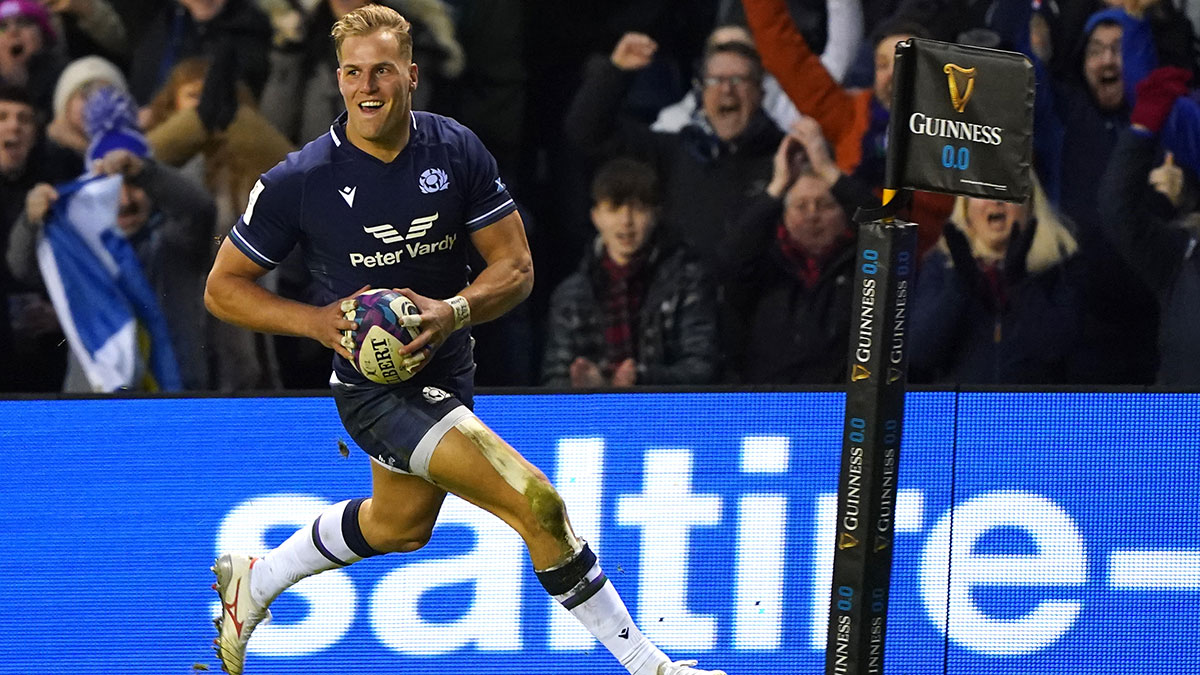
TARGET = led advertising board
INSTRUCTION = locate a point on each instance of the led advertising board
(1072, 546)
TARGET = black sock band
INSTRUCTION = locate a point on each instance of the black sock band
(353, 533)
(587, 590)
(562, 579)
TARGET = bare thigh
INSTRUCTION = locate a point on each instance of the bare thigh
(401, 512)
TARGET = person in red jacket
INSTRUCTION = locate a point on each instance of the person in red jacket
(853, 120)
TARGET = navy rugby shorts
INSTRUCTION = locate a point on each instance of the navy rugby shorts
(399, 425)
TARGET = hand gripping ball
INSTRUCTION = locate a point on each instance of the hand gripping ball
(381, 333)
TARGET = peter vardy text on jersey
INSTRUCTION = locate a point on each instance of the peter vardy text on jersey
(384, 258)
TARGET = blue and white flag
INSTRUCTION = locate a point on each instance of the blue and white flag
(107, 309)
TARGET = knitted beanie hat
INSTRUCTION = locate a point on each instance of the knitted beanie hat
(111, 119)
(80, 72)
(33, 10)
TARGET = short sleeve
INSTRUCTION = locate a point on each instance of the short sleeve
(487, 196)
(270, 227)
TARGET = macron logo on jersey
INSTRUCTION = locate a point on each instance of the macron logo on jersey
(390, 235)
(347, 193)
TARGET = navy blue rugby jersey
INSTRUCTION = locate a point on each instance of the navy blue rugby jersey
(360, 221)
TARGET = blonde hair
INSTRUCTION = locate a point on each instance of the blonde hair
(1053, 241)
(369, 19)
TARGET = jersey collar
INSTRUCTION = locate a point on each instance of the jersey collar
(337, 130)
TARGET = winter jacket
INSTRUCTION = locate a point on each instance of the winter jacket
(1073, 138)
(793, 334)
(233, 159)
(1162, 252)
(172, 35)
(676, 341)
(174, 250)
(707, 181)
(1073, 141)
(26, 363)
(962, 335)
(229, 163)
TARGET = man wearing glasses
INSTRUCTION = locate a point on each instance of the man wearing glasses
(712, 165)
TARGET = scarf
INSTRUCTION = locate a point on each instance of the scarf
(806, 268)
(623, 288)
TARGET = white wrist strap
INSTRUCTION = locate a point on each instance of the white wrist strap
(462, 311)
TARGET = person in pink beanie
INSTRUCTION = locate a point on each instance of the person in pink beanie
(30, 56)
(31, 12)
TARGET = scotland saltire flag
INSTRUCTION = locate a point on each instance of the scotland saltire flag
(106, 307)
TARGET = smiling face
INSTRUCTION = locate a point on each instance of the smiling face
(731, 93)
(376, 80)
(1102, 67)
(623, 228)
(17, 135)
(990, 223)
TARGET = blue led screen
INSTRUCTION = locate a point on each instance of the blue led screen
(1073, 545)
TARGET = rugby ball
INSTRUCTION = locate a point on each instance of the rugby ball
(375, 346)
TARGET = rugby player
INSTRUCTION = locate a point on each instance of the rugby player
(387, 199)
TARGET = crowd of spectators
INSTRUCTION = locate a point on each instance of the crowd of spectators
(687, 172)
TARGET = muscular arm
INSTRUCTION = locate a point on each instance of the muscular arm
(233, 295)
(508, 277)
(502, 285)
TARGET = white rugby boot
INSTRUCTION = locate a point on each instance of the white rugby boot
(685, 668)
(239, 613)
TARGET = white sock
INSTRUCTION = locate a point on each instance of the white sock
(594, 602)
(333, 540)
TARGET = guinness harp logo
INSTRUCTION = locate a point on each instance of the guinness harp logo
(962, 84)
(859, 373)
